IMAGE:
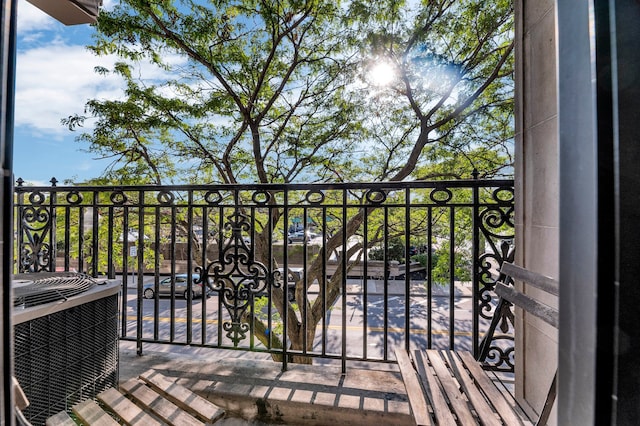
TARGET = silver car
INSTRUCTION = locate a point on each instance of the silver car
(180, 289)
(300, 236)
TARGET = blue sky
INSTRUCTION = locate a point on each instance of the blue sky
(54, 80)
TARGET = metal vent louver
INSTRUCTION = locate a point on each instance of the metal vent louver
(37, 289)
(65, 346)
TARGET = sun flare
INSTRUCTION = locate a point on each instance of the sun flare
(382, 74)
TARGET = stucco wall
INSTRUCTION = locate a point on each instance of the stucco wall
(536, 176)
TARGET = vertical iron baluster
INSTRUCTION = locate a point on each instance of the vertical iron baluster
(285, 302)
(123, 327)
(20, 231)
(322, 284)
(365, 277)
(80, 231)
(452, 277)
(67, 238)
(172, 301)
(344, 280)
(140, 256)
(95, 237)
(302, 304)
(220, 259)
(189, 299)
(156, 270)
(17, 227)
(385, 296)
(203, 283)
(475, 280)
(407, 269)
(271, 274)
(52, 227)
(429, 277)
(110, 250)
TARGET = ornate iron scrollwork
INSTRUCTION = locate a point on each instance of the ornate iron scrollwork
(497, 350)
(236, 276)
(497, 227)
(487, 263)
(500, 356)
(35, 249)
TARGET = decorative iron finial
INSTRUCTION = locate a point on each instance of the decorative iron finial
(20, 181)
(475, 173)
(53, 181)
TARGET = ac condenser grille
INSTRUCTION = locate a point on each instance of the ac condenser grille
(48, 287)
(67, 357)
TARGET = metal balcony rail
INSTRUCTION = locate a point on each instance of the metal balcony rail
(345, 272)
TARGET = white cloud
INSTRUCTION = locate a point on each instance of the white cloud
(30, 18)
(55, 73)
(55, 81)
(55, 77)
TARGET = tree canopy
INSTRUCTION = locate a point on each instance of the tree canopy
(285, 91)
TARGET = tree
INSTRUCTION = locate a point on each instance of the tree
(250, 90)
(453, 90)
(280, 91)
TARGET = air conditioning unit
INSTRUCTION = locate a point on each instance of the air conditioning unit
(65, 340)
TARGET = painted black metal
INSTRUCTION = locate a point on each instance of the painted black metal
(429, 279)
(452, 278)
(385, 297)
(343, 266)
(497, 350)
(407, 275)
(475, 324)
(8, 17)
(237, 277)
(221, 225)
(625, 301)
(189, 267)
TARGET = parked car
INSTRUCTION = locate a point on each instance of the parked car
(180, 289)
(300, 236)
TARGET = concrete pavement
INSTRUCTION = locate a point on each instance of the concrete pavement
(252, 387)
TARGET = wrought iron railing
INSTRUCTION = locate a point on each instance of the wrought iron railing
(300, 271)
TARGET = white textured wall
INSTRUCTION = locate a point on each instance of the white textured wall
(536, 176)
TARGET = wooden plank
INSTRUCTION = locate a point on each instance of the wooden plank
(125, 409)
(20, 399)
(60, 419)
(476, 398)
(430, 383)
(456, 399)
(494, 396)
(164, 409)
(416, 394)
(183, 397)
(90, 413)
(539, 309)
(534, 279)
